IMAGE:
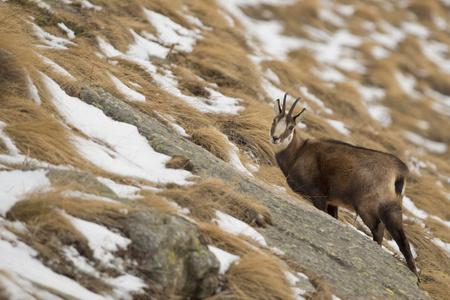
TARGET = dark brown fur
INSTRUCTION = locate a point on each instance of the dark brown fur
(333, 173)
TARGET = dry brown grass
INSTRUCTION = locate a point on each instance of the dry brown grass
(45, 222)
(157, 202)
(208, 195)
(249, 131)
(3, 148)
(433, 262)
(49, 230)
(180, 162)
(425, 11)
(305, 12)
(41, 208)
(213, 141)
(219, 238)
(421, 196)
(32, 128)
(244, 281)
(220, 59)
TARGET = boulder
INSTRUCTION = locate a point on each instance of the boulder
(172, 254)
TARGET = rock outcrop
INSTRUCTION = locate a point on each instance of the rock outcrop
(172, 254)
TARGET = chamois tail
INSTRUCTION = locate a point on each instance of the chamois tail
(399, 185)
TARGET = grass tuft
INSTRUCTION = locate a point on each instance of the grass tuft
(208, 195)
(244, 281)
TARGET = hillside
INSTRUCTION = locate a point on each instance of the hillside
(134, 153)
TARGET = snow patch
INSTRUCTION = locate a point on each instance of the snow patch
(121, 190)
(329, 74)
(33, 90)
(379, 52)
(55, 67)
(370, 93)
(237, 227)
(225, 258)
(272, 76)
(442, 102)
(271, 91)
(171, 33)
(171, 121)
(28, 273)
(235, 161)
(43, 5)
(67, 30)
(266, 33)
(380, 113)
(339, 126)
(444, 246)
(216, 103)
(429, 145)
(122, 150)
(101, 240)
(145, 48)
(313, 98)
(129, 94)
(53, 42)
(407, 84)
(88, 5)
(390, 38)
(15, 184)
(86, 196)
(293, 281)
(414, 28)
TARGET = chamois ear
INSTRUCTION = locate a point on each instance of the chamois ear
(276, 107)
(298, 118)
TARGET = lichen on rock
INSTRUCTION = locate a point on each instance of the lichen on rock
(172, 254)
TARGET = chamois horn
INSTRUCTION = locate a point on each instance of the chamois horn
(283, 110)
(292, 107)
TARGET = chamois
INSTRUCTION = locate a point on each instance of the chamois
(332, 173)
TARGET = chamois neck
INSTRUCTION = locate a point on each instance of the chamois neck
(288, 154)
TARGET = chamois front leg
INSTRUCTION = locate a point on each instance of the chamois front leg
(332, 210)
(320, 202)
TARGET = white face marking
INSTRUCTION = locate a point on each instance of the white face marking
(280, 128)
(280, 144)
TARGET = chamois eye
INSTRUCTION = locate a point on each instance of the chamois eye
(291, 127)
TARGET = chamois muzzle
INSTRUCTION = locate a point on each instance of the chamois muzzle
(275, 139)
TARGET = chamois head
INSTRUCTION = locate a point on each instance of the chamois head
(283, 126)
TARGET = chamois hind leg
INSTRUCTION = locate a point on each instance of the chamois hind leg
(391, 215)
(332, 210)
(370, 217)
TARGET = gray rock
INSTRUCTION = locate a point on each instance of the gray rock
(172, 254)
(87, 181)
